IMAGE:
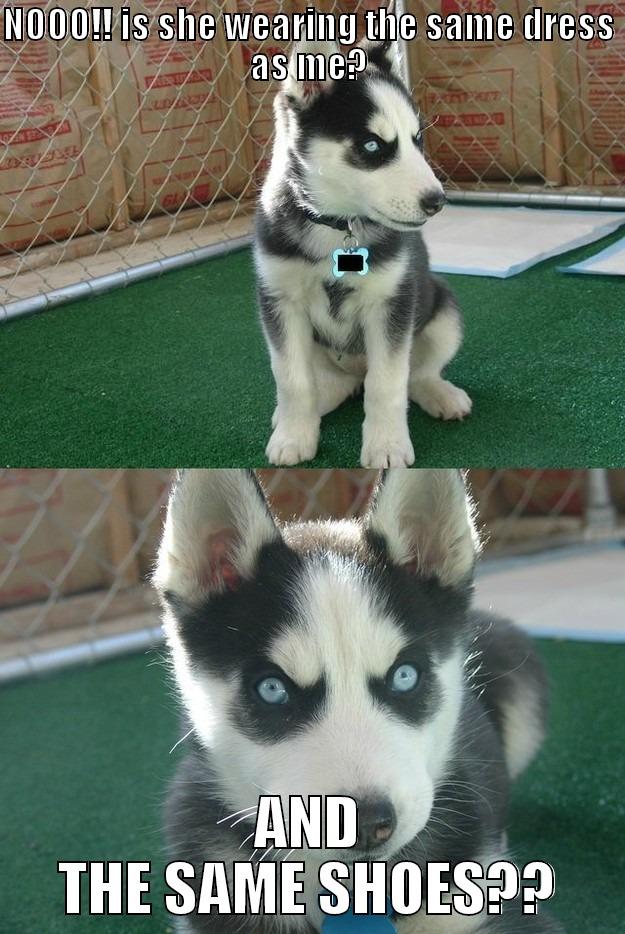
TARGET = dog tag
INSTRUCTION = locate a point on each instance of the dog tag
(357, 924)
(350, 260)
(350, 923)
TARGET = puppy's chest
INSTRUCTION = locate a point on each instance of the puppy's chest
(340, 307)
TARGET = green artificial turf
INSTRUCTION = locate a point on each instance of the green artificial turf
(85, 758)
(174, 372)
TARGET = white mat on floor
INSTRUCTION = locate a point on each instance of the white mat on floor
(609, 262)
(576, 593)
(503, 241)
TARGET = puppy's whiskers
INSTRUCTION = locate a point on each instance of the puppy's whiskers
(245, 817)
(268, 850)
(248, 810)
(181, 740)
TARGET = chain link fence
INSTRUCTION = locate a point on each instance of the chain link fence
(122, 159)
(77, 546)
(519, 114)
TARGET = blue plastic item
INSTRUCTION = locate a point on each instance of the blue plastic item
(352, 260)
(350, 923)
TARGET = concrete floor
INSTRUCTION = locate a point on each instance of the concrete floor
(575, 593)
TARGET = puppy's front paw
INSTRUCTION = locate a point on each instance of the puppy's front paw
(441, 399)
(292, 442)
(384, 447)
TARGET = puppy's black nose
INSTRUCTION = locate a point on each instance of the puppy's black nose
(376, 822)
(432, 202)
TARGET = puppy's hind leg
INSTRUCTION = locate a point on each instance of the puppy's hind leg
(432, 349)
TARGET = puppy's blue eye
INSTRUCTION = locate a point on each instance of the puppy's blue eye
(404, 678)
(371, 145)
(272, 691)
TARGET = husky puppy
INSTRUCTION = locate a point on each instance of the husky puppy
(344, 657)
(348, 157)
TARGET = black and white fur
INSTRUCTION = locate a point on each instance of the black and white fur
(395, 328)
(332, 608)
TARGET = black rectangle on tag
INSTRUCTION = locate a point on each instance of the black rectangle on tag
(350, 262)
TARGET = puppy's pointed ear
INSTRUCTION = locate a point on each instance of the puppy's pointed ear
(383, 54)
(303, 93)
(426, 520)
(217, 522)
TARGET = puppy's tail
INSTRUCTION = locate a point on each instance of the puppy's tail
(511, 683)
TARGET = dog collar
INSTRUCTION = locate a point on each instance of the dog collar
(327, 220)
(352, 258)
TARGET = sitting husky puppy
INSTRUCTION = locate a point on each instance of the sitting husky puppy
(348, 162)
(328, 658)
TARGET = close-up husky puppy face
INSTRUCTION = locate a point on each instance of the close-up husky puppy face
(322, 658)
(355, 146)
